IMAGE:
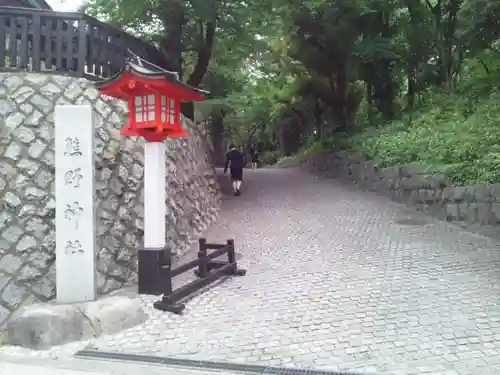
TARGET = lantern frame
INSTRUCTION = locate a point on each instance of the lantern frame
(147, 88)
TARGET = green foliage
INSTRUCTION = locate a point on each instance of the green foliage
(287, 162)
(397, 81)
(429, 71)
(270, 157)
(455, 134)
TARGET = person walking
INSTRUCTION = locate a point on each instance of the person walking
(254, 155)
(235, 161)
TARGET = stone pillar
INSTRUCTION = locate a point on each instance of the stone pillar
(75, 197)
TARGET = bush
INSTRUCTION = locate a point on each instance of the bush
(457, 135)
(313, 147)
(270, 157)
(337, 141)
(287, 162)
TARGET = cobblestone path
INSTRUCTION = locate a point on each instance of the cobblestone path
(338, 279)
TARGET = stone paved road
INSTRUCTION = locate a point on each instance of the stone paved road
(336, 281)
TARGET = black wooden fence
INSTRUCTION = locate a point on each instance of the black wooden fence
(75, 44)
(208, 269)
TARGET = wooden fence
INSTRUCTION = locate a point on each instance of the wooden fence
(43, 41)
(208, 270)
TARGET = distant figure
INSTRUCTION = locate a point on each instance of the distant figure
(235, 160)
(254, 155)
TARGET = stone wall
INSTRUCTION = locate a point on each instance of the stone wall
(27, 208)
(432, 193)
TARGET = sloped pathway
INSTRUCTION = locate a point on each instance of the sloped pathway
(338, 279)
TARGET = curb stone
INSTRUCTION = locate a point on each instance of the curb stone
(44, 325)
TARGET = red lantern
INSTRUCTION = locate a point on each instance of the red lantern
(154, 99)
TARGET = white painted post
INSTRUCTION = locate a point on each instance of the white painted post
(152, 254)
(154, 195)
(75, 211)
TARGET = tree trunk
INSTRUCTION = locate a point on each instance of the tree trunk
(171, 45)
(318, 119)
(369, 100)
(205, 47)
(174, 19)
(217, 137)
(411, 88)
(187, 110)
(414, 52)
(341, 84)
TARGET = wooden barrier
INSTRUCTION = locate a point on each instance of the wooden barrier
(207, 271)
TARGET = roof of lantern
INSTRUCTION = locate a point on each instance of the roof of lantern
(146, 74)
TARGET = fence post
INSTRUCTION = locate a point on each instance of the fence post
(166, 273)
(231, 259)
(36, 43)
(81, 50)
(202, 258)
(231, 254)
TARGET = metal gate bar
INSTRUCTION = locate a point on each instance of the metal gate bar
(205, 365)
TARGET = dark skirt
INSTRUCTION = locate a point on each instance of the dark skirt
(237, 174)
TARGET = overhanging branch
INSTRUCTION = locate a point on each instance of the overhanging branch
(204, 53)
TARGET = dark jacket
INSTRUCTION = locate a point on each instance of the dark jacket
(235, 159)
(254, 153)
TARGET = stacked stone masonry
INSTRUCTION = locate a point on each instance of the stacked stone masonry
(432, 193)
(27, 205)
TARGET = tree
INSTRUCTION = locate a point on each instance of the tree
(284, 72)
(185, 32)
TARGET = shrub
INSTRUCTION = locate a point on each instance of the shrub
(270, 157)
(457, 135)
(287, 162)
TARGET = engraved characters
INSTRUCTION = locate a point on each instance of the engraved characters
(72, 179)
(73, 212)
(73, 247)
(72, 147)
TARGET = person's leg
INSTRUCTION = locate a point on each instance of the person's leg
(233, 179)
(238, 176)
(237, 192)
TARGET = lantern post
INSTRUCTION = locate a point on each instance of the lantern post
(154, 98)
